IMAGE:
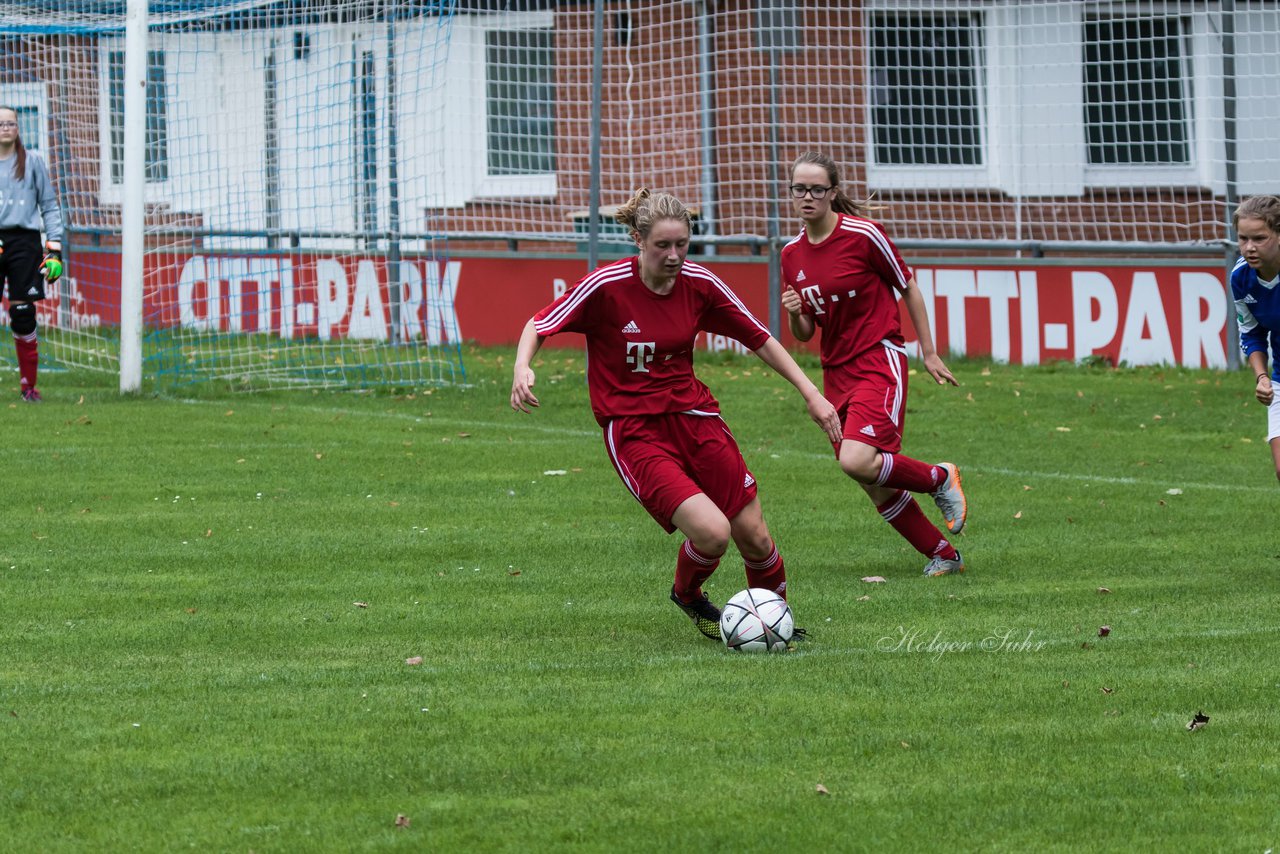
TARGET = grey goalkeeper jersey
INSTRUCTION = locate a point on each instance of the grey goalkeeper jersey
(32, 201)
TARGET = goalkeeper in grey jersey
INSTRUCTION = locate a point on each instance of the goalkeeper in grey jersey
(27, 202)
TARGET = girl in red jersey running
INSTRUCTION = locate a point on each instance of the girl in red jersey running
(842, 273)
(662, 427)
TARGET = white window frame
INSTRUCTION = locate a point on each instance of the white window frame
(468, 60)
(28, 96)
(929, 176)
(1129, 175)
(110, 191)
(1011, 137)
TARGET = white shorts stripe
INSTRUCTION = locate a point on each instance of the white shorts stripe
(895, 367)
(612, 448)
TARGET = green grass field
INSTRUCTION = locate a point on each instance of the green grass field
(185, 665)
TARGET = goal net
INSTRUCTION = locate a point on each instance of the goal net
(312, 167)
(288, 147)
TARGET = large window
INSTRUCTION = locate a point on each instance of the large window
(925, 107)
(1136, 91)
(157, 143)
(520, 101)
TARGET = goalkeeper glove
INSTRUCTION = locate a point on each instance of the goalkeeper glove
(51, 266)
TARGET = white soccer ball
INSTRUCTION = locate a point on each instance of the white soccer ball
(756, 620)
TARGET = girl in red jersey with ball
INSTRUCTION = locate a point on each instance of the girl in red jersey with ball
(662, 427)
(842, 273)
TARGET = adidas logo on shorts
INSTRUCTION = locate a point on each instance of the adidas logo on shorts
(868, 431)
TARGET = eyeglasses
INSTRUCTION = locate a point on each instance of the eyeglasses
(10, 125)
(799, 190)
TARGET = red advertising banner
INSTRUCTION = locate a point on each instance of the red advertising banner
(1022, 314)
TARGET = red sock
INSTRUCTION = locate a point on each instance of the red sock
(768, 574)
(899, 472)
(692, 568)
(906, 517)
(28, 358)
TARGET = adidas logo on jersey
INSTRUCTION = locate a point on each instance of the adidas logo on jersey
(631, 329)
(800, 276)
(868, 431)
(1249, 300)
(748, 480)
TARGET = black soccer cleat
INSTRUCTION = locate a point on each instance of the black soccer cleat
(705, 616)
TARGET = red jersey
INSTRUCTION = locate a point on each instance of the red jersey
(640, 344)
(848, 284)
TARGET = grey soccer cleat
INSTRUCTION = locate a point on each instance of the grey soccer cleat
(943, 566)
(950, 499)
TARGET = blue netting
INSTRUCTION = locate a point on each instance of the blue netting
(86, 16)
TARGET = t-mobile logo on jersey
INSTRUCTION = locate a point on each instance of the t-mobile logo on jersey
(813, 294)
(640, 354)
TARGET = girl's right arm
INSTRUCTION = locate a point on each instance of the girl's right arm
(802, 326)
(522, 396)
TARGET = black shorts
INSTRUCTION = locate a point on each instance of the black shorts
(20, 265)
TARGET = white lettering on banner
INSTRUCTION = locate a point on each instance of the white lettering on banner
(716, 343)
(998, 287)
(192, 271)
(1201, 341)
(332, 294)
(287, 312)
(1089, 289)
(1146, 311)
(410, 301)
(1029, 316)
(953, 286)
(234, 271)
(558, 287)
(368, 321)
(442, 292)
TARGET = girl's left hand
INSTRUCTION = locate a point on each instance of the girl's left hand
(938, 370)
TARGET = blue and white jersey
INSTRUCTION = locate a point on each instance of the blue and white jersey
(1257, 311)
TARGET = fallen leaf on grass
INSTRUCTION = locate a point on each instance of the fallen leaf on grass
(417, 659)
(1063, 429)
(464, 435)
(821, 789)
(864, 598)
(1198, 721)
(361, 604)
(1108, 690)
(874, 579)
(555, 472)
(514, 572)
(1103, 631)
(402, 820)
(1173, 492)
(1104, 590)
(1018, 515)
(191, 610)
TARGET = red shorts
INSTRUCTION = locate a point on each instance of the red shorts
(870, 393)
(667, 459)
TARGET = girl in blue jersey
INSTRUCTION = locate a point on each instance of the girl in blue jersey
(27, 202)
(1254, 282)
